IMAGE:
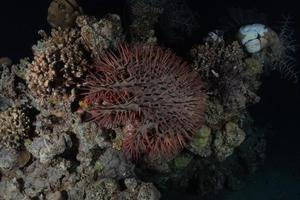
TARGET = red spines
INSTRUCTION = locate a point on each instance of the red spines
(152, 91)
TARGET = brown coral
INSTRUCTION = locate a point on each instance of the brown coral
(155, 94)
(14, 127)
(59, 64)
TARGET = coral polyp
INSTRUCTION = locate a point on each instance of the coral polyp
(154, 95)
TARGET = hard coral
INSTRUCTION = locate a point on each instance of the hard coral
(102, 34)
(225, 73)
(59, 63)
(144, 16)
(155, 95)
(14, 127)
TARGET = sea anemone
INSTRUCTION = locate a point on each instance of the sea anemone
(154, 95)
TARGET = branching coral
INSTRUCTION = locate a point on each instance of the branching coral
(58, 65)
(14, 126)
(153, 93)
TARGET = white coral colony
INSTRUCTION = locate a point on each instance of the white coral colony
(252, 37)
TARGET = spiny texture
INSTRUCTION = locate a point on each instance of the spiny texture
(14, 126)
(150, 91)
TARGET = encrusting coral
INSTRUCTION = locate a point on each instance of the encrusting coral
(154, 94)
(14, 127)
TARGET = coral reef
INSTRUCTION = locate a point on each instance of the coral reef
(225, 74)
(58, 65)
(207, 175)
(225, 142)
(100, 35)
(143, 17)
(45, 148)
(98, 90)
(279, 51)
(14, 127)
(5, 61)
(61, 60)
(13, 159)
(48, 152)
(178, 23)
(12, 88)
(63, 13)
(200, 145)
(151, 92)
(253, 37)
(275, 48)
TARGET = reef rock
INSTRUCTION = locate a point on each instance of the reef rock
(115, 164)
(201, 143)
(47, 146)
(100, 35)
(63, 13)
(232, 136)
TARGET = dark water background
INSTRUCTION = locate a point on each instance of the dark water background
(279, 179)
